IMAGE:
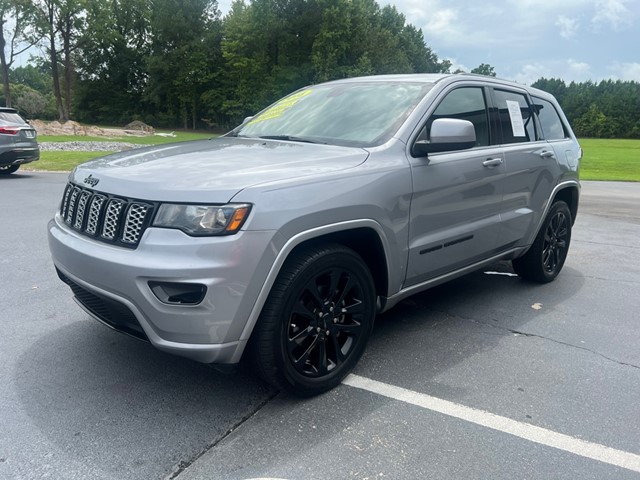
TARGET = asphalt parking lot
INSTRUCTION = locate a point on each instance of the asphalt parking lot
(487, 377)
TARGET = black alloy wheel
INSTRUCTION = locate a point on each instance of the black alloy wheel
(556, 242)
(544, 260)
(325, 323)
(316, 322)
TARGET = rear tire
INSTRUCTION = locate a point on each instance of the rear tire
(316, 322)
(546, 257)
(7, 169)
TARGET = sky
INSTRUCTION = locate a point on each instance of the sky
(576, 40)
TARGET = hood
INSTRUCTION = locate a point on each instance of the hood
(210, 170)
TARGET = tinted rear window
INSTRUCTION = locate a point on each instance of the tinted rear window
(9, 118)
(552, 126)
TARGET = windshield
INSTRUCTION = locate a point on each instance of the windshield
(351, 114)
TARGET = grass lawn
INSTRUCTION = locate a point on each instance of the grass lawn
(146, 140)
(61, 161)
(607, 159)
(604, 159)
(67, 160)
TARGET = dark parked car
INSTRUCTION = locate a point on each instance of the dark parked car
(18, 142)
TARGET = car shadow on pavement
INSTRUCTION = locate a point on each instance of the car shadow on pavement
(20, 175)
(433, 331)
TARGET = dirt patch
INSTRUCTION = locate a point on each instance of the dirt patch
(137, 125)
(135, 129)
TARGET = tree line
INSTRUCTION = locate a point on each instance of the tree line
(178, 63)
(606, 109)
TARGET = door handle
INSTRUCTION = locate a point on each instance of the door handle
(492, 162)
(547, 154)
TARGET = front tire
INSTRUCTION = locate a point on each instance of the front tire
(316, 322)
(7, 169)
(546, 257)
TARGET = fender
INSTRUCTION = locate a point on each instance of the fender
(560, 186)
(284, 253)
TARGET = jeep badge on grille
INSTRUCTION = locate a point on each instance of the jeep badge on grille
(91, 181)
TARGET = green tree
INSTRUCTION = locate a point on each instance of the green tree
(265, 50)
(14, 39)
(31, 102)
(593, 123)
(484, 69)
(331, 55)
(420, 56)
(356, 37)
(70, 25)
(112, 61)
(245, 76)
(59, 23)
(555, 86)
(37, 77)
(609, 108)
(180, 63)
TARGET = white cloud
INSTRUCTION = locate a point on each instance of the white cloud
(612, 12)
(578, 69)
(626, 71)
(568, 70)
(455, 65)
(442, 23)
(532, 72)
(568, 26)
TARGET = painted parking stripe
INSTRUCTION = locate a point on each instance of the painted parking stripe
(595, 451)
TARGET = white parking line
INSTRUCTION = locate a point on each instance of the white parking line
(595, 451)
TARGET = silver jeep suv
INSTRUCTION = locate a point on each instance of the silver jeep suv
(284, 238)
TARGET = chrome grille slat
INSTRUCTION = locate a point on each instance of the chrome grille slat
(107, 218)
(134, 222)
(82, 205)
(65, 200)
(94, 213)
(112, 219)
(71, 207)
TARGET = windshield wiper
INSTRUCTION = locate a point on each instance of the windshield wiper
(292, 138)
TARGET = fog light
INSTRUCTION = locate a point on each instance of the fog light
(178, 293)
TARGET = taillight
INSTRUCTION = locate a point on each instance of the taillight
(8, 131)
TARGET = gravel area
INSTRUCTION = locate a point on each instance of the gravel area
(87, 146)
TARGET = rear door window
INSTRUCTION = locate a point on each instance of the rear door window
(515, 116)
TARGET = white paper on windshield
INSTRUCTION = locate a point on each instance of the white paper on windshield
(517, 123)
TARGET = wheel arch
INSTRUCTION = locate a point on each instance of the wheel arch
(367, 243)
(366, 237)
(569, 194)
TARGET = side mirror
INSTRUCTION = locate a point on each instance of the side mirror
(447, 134)
(247, 119)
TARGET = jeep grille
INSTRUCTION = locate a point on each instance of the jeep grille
(115, 220)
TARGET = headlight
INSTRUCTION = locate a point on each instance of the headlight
(200, 220)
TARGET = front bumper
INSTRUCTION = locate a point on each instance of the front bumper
(232, 268)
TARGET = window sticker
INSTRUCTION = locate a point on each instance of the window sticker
(279, 108)
(517, 123)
